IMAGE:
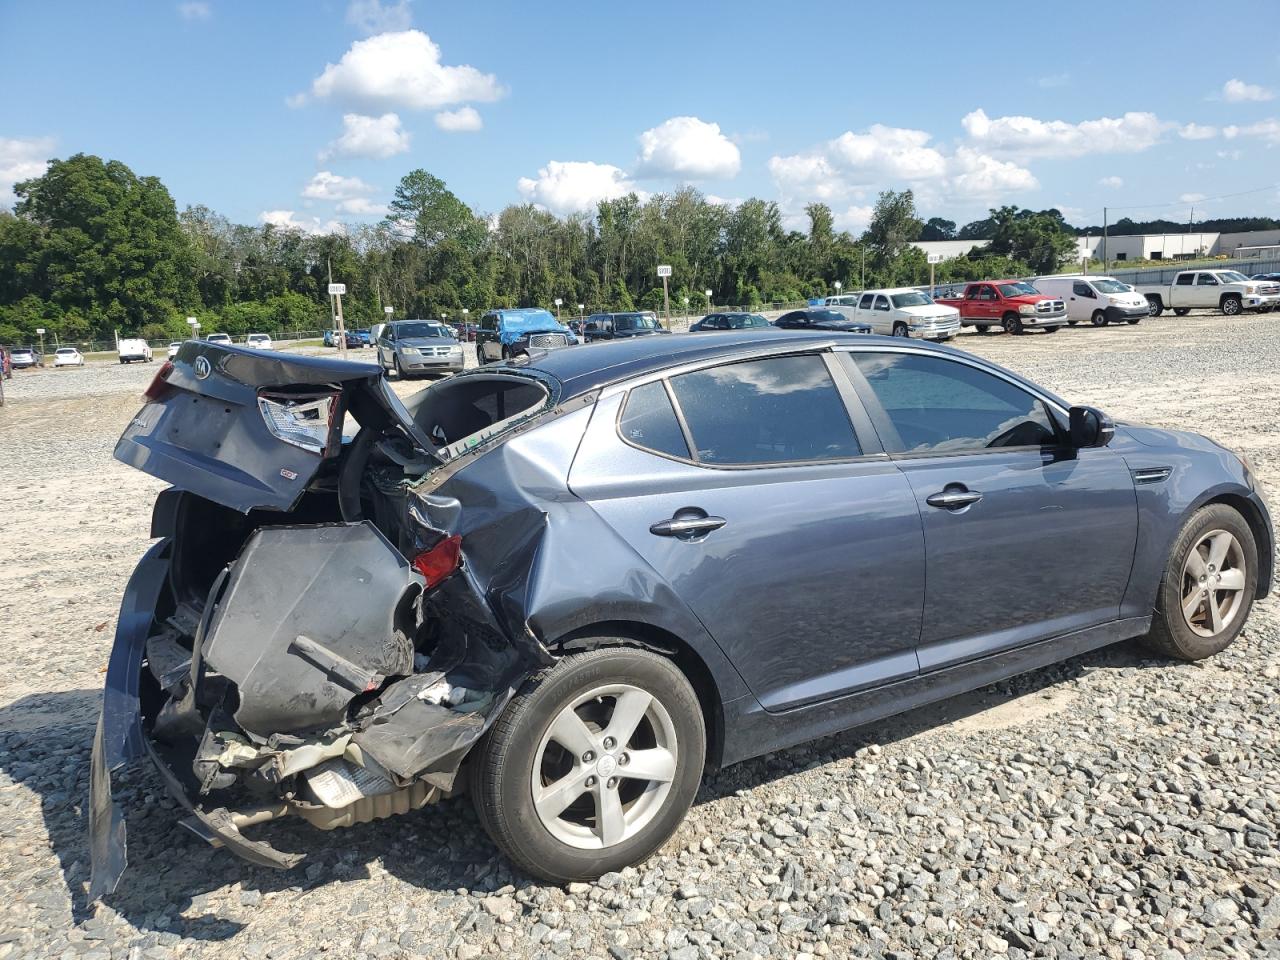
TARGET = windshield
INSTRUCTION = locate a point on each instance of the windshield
(637, 322)
(66, 350)
(912, 299)
(826, 316)
(1111, 286)
(1232, 277)
(1017, 289)
(741, 321)
(410, 331)
(533, 321)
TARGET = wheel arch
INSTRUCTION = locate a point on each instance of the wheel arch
(647, 636)
(1258, 526)
(1230, 296)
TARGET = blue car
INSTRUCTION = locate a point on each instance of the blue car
(352, 337)
(503, 334)
(577, 580)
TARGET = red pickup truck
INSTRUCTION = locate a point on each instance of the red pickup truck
(1014, 305)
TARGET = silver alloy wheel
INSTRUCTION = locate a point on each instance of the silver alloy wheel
(1213, 582)
(604, 768)
(1230, 306)
(900, 330)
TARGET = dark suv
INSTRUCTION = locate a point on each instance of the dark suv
(620, 326)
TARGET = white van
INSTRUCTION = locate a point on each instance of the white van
(1098, 300)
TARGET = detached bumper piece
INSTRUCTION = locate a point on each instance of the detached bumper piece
(315, 683)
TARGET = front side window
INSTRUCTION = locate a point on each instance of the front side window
(941, 406)
(777, 410)
(1207, 280)
(865, 303)
(649, 421)
(1082, 290)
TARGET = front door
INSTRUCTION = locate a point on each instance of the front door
(1026, 538)
(790, 535)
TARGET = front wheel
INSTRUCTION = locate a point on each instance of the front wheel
(1231, 306)
(1156, 305)
(1052, 329)
(1134, 320)
(399, 370)
(1012, 324)
(592, 765)
(1099, 319)
(983, 328)
(900, 330)
(1208, 585)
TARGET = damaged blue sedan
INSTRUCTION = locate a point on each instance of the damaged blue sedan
(570, 583)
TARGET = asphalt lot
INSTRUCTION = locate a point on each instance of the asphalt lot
(1116, 805)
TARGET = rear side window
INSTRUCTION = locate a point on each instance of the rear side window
(940, 406)
(649, 421)
(778, 410)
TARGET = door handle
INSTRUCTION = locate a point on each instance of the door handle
(687, 528)
(953, 498)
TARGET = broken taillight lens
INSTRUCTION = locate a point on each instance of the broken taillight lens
(305, 422)
(438, 563)
(160, 382)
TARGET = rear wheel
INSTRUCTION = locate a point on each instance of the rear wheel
(1099, 319)
(592, 765)
(1231, 306)
(983, 328)
(1208, 585)
(900, 330)
(1011, 323)
(1181, 311)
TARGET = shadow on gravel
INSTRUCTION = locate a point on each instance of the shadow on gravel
(45, 741)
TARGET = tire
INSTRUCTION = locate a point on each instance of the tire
(1181, 311)
(400, 374)
(1157, 305)
(1132, 321)
(1072, 323)
(1171, 632)
(1231, 306)
(983, 328)
(1012, 324)
(900, 330)
(1099, 319)
(479, 356)
(520, 751)
(1052, 329)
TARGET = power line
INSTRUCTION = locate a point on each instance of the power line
(1183, 203)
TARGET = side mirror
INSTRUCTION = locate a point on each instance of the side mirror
(1090, 427)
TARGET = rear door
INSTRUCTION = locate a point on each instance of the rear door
(1026, 538)
(783, 527)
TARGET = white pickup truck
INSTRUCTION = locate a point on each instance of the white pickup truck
(133, 348)
(1227, 290)
(906, 312)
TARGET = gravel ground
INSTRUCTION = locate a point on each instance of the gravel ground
(1116, 805)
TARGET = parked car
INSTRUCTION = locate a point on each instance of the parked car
(365, 339)
(412, 347)
(330, 339)
(133, 349)
(576, 582)
(259, 341)
(466, 332)
(729, 321)
(68, 357)
(1096, 300)
(21, 358)
(223, 338)
(821, 318)
(1267, 277)
(620, 326)
(503, 334)
(1227, 290)
(1013, 305)
(174, 346)
(907, 312)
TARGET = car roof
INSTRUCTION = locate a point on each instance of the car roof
(519, 310)
(585, 368)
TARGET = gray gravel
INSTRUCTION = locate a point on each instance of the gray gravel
(1117, 805)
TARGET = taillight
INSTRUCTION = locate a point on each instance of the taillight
(160, 382)
(439, 563)
(305, 422)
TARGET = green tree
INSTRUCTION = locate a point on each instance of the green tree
(894, 225)
(1040, 239)
(425, 209)
(936, 228)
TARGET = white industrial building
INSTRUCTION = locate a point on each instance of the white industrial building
(1250, 244)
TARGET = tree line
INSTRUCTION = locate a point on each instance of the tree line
(91, 248)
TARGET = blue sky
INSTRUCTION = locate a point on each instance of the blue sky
(310, 112)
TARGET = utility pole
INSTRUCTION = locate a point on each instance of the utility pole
(336, 290)
(1105, 261)
(863, 284)
(1190, 221)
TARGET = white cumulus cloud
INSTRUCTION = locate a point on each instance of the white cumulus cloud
(363, 136)
(462, 120)
(194, 10)
(977, 175)
(330, 186)
(403, 69)
(889, 151)
(1197, 131)
(1027, 136)
(687, 148)
(363, 207)
(1268, 130)
(288, 220)
(1191, 197)
(21, 158)
(1237, 91)
(371, 16)
(1115, 183)
(570, 186)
